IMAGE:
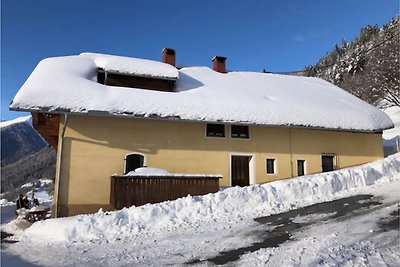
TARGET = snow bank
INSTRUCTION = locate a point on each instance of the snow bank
(69, 84)
(231, 205)
(391, 137)
(5, 202)
(156, 172)
(17, 120)
(148, 171)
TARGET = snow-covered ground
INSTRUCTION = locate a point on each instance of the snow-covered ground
(196, 229)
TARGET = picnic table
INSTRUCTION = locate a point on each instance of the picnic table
(33, 214)
(38, 213)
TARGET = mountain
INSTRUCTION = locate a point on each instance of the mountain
(19, 139)
(25, 156)
(367, 67)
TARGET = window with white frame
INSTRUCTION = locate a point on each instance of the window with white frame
(240, 131)
(270, 166)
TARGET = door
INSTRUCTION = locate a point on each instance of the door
(327, 163)
(240, 170)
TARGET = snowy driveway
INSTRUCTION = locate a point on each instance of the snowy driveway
(280, 228)
(360, 230)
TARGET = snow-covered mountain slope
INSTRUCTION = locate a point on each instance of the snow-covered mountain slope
(18, 140)
(367, 67)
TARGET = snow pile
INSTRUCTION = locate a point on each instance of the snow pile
(392, 136)
(148, 171)
(133, 66)
(229, 206)
(5, 202)
(69, 84)
(15, 121)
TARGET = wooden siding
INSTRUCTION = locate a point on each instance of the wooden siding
(48, 126)
(139, 190)
(116, 79)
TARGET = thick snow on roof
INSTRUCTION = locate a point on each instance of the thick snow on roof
(69, 83)
(134, 66)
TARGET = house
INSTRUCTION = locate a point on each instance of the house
(110, 115)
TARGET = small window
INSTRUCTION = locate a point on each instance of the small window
(133, 161)
(270, 166)
(301, 167)
(328, 162)
(240, 131)
(215, 130)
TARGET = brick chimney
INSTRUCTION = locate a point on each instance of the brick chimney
(168, 56)
(219, 64)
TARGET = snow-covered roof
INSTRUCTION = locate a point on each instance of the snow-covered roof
(69, 84)
(133, 66)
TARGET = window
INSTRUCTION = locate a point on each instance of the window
(270, 166)
(328, 162)
(215, 130)
(301, 167)
(133, 161)
(240, 131)
(132, 81)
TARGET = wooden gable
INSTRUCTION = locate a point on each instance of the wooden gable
(48, 126)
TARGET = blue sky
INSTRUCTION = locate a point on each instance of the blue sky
(278, 36)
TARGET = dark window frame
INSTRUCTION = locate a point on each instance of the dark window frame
(240, 132)
(334, 162)
(215, 130)
(303, 167)
(267, 169)
(130, 160)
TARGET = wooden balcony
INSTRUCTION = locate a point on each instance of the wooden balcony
(141, 189)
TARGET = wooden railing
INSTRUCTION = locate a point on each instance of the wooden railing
(141, 189)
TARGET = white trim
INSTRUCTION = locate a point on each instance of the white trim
(275, 166)
(135, 153)
(239, 138)
(252, 166)
(335, 160)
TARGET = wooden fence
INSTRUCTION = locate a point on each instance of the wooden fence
(141, 189)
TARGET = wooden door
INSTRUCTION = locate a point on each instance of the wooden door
(240, 170)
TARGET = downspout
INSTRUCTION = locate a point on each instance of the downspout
(60, 147)
(291, 154)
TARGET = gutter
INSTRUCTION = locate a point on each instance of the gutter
(59, 154)
(97, 113)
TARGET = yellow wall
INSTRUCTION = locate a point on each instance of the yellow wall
(94, 148)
